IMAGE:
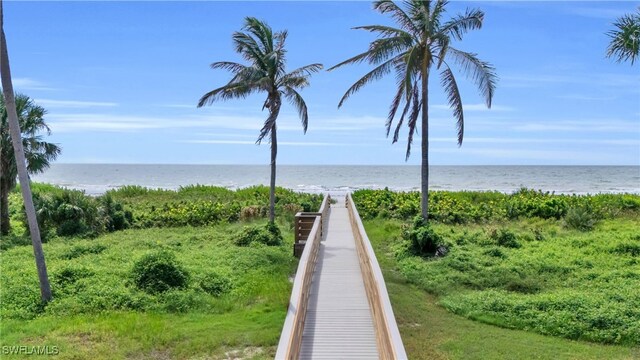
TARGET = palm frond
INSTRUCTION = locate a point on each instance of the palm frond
(461, 24)
(38, 152)
(372, 75)
(413, 120)
(448, 82)
(231, 66)
(385, 31)
(389, 7)
(395, 103)
(625, 39)
(298, 102)
(296, 82)
(379, 50)
(260, 31)
(435, 15)
(249, 49)
(481, 72)
(268, 126)
(396, 133)
(227, 92)
(413, 61)
(305, 71)
(441, 46)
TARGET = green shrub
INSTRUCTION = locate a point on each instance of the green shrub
(69, 275)
(580, 218)
(158, 272)
(215, 284)
(180, 301)
(423, 240)
(465, 207)
(268, 235)
(627, 248)
(11, 240)
(505, 238)
(524, 286)
(495, 252)
(201, 205)
(72, 213)
(80, 250)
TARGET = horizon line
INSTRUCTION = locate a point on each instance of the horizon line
(414, 165)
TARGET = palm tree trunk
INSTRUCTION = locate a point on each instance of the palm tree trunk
(424, 186)
(16, 139)
(4, 207)
(272, 188)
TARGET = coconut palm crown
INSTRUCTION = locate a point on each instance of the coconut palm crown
(38, 153)
(625, 39)
(423, 42)
(265, 53)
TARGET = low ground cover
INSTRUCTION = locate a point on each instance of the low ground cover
(235, 297)
(533, 273)
(216, 290)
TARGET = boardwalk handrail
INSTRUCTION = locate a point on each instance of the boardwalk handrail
(291, 336)
(387, 334)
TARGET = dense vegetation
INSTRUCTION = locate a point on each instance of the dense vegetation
(482, 207)
(65, 212)
(420, 316)
(554, 264)
(225, 266)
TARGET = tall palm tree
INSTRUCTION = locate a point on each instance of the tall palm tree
(38, 153)
(625, 39)
(14, 126)
(423, 42)
(265, 52)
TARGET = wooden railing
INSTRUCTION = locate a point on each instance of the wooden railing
(304, 222)
(291, 336)
(387, 335)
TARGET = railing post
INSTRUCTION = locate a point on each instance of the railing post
(303, 223)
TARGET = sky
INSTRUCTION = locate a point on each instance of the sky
(120, 82)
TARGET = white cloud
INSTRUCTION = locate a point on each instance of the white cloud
(475, 107)
(586, 97)
(280, 143)
(559, 141)
(592, 79)
(581, 126)
(21, 84)
(107, 123)
(48, 103)
(70, 122)
(179, 106)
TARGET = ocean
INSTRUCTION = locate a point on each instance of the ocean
(95, 179)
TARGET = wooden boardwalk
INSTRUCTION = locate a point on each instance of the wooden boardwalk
(339, 322)
(339, 306)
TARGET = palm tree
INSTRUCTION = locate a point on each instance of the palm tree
(38, 153)
(625, 39)
(422, 42)
(14, 127)
(265, 52)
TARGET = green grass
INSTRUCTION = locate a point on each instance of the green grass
(98, 313)
(419, 287)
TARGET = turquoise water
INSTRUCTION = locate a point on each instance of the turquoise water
(98, 178)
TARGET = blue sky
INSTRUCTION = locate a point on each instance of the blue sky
(121, 80)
